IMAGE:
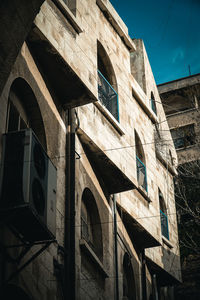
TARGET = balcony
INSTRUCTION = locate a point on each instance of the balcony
(141, 174)
(108, 97)
(164, 225)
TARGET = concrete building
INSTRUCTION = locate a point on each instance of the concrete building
(87, 197)
(181, 100)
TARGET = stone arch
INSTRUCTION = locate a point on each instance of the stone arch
(104, 65)
(139, 148)
(12, 291)
(91, 229)
(129, 286)
(23, 99)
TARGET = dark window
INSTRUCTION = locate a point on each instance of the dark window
(15, 120)
(183, 136)
(129, 288)
(163, 216)
(71, 5)
(153, 103)
(140, 163)
(91, 230)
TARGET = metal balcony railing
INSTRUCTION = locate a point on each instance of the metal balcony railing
(108, 96)
(164, 225)
(141, 174)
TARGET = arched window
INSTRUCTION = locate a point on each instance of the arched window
(23, 110)
(107, 84)
(163, 216)
(91, 230)
(140, 163)
(129, 288)
(153, 103)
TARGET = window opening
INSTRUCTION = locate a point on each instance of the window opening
(107, 93)
(183, 136)
(129, 288)
(91, 230)
(15, 120)
(140, 164)
(163, 216)
(153, 103)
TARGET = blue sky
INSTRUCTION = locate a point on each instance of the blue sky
(170, 30)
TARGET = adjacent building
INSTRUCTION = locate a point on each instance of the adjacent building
(87, 164)
(181, 100)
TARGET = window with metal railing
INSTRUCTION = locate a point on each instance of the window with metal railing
(164, 224)
(108, 96)
(141, 174)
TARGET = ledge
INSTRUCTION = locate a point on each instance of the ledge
(169, 167)
(110, 117)
(182, 112)
(114, 19)
(167, 242)
(68, 14)
(86, 248)
(141, 236)
(140, 99)
(111, 174)
(144, 193)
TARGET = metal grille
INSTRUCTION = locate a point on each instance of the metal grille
(108, 96)
(141, 174)
(84, 230)
(164, 225)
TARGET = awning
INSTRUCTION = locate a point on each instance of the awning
(114, 179)
(163, 277)
(61, 79)
(140, 237)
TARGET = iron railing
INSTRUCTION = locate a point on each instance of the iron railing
(164, 224)
(85, 234)
(141, 174)
(108, 96)
(84, 230)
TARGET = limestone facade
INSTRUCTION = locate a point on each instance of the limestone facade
(88, 92)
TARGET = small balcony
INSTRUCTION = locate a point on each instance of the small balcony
(141, 174)
(164, 225)
(108, 96)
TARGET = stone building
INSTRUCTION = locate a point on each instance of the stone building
(87, 198)
(181, 100)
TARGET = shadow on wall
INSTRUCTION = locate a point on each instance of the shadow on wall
(11, 291)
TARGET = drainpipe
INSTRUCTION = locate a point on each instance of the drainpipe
(69, 231)
(115, 249)
(144, 284)
(155, 290)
